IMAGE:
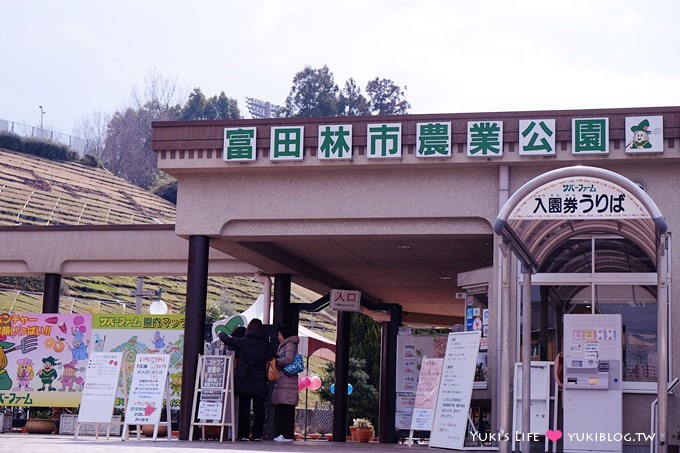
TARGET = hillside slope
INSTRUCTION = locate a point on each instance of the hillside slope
(37, 191)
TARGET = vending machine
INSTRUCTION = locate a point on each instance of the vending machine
(592, 402)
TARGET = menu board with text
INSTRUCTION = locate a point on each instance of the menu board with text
(101, 384)
(455, 390)
(149, 381)
(426, 395)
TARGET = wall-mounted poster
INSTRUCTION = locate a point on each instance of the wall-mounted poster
(46, 356)
(142, 334)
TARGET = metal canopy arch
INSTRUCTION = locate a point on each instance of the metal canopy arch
(528, 237)
(533, 239)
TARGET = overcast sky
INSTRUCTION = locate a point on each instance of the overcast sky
(455, 56)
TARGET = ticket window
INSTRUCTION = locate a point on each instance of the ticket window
(592, 378)
(637, 306)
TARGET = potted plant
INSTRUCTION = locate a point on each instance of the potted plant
(364, 429)
(40, 421)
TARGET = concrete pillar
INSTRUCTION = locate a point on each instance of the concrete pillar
(197, 291)
(341, 376)
(51, 293)
(388, 378)
(284, 313)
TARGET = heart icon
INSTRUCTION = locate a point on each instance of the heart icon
(553, 435)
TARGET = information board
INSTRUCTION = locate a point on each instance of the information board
(426, 395)
(213, 379)
(101, 383)
(455, 390)
(149, 381)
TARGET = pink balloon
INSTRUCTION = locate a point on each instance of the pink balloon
(300, 386)
(315, 383)
(304, 382)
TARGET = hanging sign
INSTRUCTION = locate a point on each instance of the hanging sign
(345, 300)
(580, 197)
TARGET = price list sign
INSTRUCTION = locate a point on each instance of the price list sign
(149, 380)
(101, 384)
(426, 395)
(455, 390)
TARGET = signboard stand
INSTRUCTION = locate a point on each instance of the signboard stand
(99, 393)
(541, 401)
(150, 386)
(214, 395)
(451, 415)
(426, 396)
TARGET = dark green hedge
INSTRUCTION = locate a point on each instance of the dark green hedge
(46, 149)
(36, 147)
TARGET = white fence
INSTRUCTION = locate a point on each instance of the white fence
(75, 143)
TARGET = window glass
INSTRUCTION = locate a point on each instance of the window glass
(637, 306)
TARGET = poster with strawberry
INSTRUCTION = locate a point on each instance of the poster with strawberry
(46, 356)
(148, 389)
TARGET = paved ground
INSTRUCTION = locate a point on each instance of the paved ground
(17, 443)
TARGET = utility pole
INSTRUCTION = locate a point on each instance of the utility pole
(139, 293)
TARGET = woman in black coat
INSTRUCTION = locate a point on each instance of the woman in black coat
(250, 377)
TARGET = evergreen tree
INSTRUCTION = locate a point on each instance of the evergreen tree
(363, 402)
(194, 108)
(314, 93)
(386, 98)
(351, 102)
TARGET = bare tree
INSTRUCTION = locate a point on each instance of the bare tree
(160, 95)
(92, 127)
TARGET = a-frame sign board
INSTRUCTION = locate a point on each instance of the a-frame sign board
(99, 392)
(214, 395)
(150, 386)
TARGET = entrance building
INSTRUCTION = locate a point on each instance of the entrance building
(561, 212)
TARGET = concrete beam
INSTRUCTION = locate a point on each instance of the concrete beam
(103, 250)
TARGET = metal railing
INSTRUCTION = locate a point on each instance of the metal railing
(75, 143)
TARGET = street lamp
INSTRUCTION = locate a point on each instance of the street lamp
(42, 113)
(158, 307)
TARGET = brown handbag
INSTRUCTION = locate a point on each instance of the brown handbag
(272, 372)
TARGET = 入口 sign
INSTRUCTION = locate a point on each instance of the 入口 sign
(345, 300)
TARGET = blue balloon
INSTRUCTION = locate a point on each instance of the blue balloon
(349, 389)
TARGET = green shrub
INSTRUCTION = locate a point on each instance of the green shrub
(36, 147)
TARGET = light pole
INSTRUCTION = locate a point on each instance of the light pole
(42, 113)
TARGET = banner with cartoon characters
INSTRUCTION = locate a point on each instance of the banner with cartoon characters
(43, 358)
(142, 334)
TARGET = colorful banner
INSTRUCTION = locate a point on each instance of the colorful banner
(43, 358)
(142, 334)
